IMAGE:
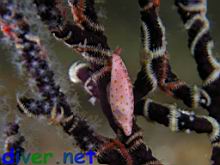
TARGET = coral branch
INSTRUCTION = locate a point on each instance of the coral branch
(92, 45)
(156, 68)
(29, 50)
(193, 14)
(156, 72)
(176, 119)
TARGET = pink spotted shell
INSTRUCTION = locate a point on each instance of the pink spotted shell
(121, 94)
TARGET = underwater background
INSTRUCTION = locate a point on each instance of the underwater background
(122, 23)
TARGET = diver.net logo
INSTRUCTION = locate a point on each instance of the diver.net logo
(13, 157)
